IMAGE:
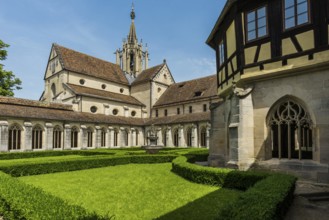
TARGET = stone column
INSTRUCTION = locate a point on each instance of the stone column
(83, 137)
(207, 136)
(181, 139)
(27, 145)
(121, 138)
(49, 136)
(194, 136)
(159, 135)
(67, 137)
(133, 137)
(98, 136)
(3, 136)
(110, 137)
(169, 137)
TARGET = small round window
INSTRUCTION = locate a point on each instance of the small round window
(133, 113)
(93, 109)
(103, 86)
(82, 81)
(121, 90)
(115, 111)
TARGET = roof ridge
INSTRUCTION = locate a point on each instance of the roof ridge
(196, 79)
(85, 54)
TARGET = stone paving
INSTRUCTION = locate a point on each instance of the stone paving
(311, 202)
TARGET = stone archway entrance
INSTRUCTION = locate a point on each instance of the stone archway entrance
(291, 131)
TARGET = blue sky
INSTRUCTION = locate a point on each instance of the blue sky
(175, 30)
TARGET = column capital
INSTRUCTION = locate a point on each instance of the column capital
(3, 123)
(27, 124)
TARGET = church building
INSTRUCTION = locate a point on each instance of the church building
(273, 79)
(91, 103)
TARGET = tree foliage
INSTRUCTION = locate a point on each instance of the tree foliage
(8, 81)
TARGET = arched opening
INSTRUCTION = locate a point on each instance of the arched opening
(137, 134)
(291, 131)
(176, 138)
(103, 137)
(74, 137)
(37, 137)
(189, 137)
(53, 90)
(14, 137)
(115, 138)
(90, 137)
(203, 141)
(57, 137)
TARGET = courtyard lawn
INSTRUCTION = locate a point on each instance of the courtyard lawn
(135, 191)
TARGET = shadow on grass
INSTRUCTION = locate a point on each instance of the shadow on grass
(206, 207)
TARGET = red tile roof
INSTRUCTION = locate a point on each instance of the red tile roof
(188, 91)
(147, 74)
(82, 90)
(81, 63)
(33, 110)
(183, 118)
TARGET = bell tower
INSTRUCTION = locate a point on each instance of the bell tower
(132, 58)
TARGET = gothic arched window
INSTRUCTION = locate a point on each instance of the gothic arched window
(89, 137)
(115, 138)
(37, 137)
(176, 138)
(74, 137)
(189, 137)
(291, 131)
(103, 137)
(14, 138)
(203, 141)
(57, 137)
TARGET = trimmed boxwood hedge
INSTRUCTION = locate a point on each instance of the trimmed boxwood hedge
(27, 169)
(51, 153)
(22, 201)
(268, 195)
(269, 199)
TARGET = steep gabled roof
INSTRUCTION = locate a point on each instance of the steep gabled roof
(148, 74)
(188, 91)
(84, 64)
(82, 90)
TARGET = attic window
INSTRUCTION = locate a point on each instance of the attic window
(198, 93)
(82, 81)
(181, 85)
(103, 86)
(115, 111)
(121, 90)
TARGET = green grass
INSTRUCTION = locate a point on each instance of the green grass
(135, 191)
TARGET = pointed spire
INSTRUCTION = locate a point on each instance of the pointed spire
(132, 37)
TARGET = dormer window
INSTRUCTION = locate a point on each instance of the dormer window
(221, 52)
(296, 12)
(256, 23)
(198, 93)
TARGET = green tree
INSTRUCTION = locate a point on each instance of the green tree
(8, 81)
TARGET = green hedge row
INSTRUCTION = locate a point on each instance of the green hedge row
(17, 170)
(267, 195)
(269, 199)
(22, 201)
(225, 177)
(51, 153)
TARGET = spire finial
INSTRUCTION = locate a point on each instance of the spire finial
(132, 13)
